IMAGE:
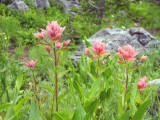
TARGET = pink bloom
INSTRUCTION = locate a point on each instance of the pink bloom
(142, 84)
(54, 31)
(110, 26)
(106, 20)
(143, 58)
(58, 45)
(87, 50)
(103, 61)
(99, 49)
(31, 64)
(39, 35)
(127, 53)
(47, 49)
(66, 43)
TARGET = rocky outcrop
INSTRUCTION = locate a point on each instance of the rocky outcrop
(139, 38)
(42, 4)
(18, 4)
(67, 4)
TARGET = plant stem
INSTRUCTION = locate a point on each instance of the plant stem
(97, 69)
(35, 88)
(56, 77)
(126, 85)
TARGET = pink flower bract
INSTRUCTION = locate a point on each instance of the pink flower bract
(127, 53)
(54, 31)
(87, 50)
(31, 64)
(39, 35)
(66, 43)
(143, 58)
(142, 84)
(99, 49)
(58, 45)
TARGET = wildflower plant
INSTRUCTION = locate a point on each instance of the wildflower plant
(128, 54)
(50, 38)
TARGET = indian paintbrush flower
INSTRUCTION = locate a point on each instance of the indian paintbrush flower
(58, 44)
(31, 64)
(142, 84)
(53, 31)
(143, 58)
(66, 43)
(39, 35)
(127, 53)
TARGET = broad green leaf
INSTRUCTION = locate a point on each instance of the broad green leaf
(61, 116)
(91, 106)
(104, 95)
(44, 44)
(94, 89)
(90, 75)
(141, 110)
(134, 68)
(4, 106)
(78, 88)
(19, 82)
(133, 96)
(19, 106)
(34, 113)
(80, 112)
(124, 116)
(118, 82)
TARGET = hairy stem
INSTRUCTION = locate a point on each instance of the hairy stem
(35, 88)
(126, 85)
(56, 78)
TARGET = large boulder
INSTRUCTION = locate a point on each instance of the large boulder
(18, 4)
(139, 38)
(42, 4)
(67, 4)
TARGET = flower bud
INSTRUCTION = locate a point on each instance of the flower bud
(66, 43)
(58, 45)
(106, 20)
(143, 58)
(48, 49)
(87, 50)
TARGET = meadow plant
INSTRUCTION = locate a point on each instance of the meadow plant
(51, 37)
(127, 54)
(32, 65)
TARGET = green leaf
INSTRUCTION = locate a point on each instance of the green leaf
(104, 95)
(79, 113)
(78, 88)
(91, 106)
(141, 110)
(47, 88)
(63, 73)
(94, 89)
(61, 116)
(88, 44)
(118, 82)
(34, 113)
(102, 70)
(4, 106)
(134, 68)
(19, 106)
(62, 95)
(19, 82)
(124, 116)
(90, 75)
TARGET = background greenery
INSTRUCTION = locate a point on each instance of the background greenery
(16, 31)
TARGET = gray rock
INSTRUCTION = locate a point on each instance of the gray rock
(67, 4)
(139, 38)
(42, 4)
(18, 4)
